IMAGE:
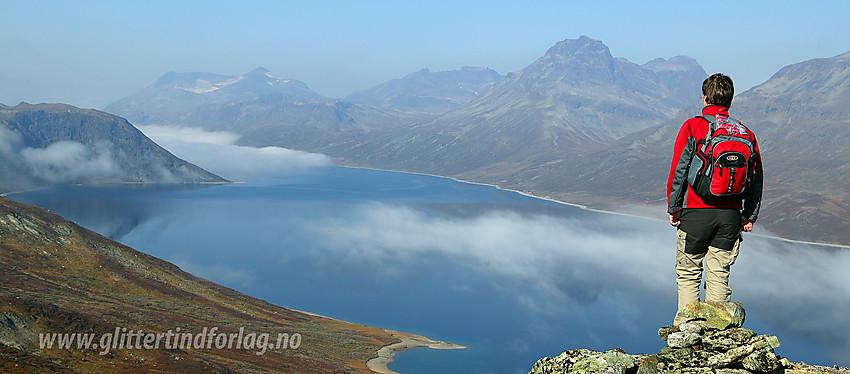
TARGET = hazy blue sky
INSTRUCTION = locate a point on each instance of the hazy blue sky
(90, 53)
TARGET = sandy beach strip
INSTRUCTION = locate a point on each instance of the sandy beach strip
(408, 341)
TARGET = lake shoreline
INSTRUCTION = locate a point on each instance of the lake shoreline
(580, 206)
(408, 341)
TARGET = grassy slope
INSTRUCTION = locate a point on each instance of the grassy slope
(60, 277)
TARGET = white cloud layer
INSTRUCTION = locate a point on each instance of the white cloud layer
(61, 162)
(216, 152)
(564, 258)
(170, 134)
(548, 262)
(67, 161)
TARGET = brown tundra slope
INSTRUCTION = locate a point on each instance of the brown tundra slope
(59, 277)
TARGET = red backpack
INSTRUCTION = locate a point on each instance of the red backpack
(722, 166)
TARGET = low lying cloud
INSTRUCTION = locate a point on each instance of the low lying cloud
(216, 152)
(170, 134)
(803, 288)
(9, 141)
(61, 162)
(68, 161)
(563, 259)
(549, 262)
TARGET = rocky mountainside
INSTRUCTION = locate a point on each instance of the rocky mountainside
(575, 99)
(711, 341)
(801, 117)
(61, 278)
(52, 144)
(429, 92)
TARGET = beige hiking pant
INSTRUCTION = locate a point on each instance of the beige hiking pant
(689, 269)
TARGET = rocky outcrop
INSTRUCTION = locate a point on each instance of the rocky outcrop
(718, 316)
(587, 361)
(712, 340)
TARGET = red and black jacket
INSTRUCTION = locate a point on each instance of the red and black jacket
(680, 194)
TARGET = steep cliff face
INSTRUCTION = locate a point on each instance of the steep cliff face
(61, 278)
(52, 144)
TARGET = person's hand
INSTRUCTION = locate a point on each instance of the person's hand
(746, 224)
(674, 219)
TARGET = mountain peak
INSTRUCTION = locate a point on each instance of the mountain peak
(575, 60)
(184, 80)
(582, 45)
(430, 92)
(820, 83)
(259, 71)
(677, 63)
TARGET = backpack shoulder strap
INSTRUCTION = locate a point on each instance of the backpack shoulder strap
(711, 119)
(712, 126)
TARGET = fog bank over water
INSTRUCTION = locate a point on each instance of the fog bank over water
(216, 152)
(563, 259)
(548, 262)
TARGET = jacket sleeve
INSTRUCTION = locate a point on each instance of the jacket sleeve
(677, 184)
(752, 199)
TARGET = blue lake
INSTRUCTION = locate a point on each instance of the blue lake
(511, 277)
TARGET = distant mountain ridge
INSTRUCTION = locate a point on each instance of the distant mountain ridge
(429, 92)
(175, 96)
(51, 144)
(577, 98)
(256, 105)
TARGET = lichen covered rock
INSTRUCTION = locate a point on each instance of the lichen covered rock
(725, 340)
(683, 339)
(763, 360)
(585, 361)
(719, 316)
(691, 327)
(665, 331)
(738, 354)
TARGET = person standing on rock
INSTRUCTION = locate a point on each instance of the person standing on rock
(714, 193)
